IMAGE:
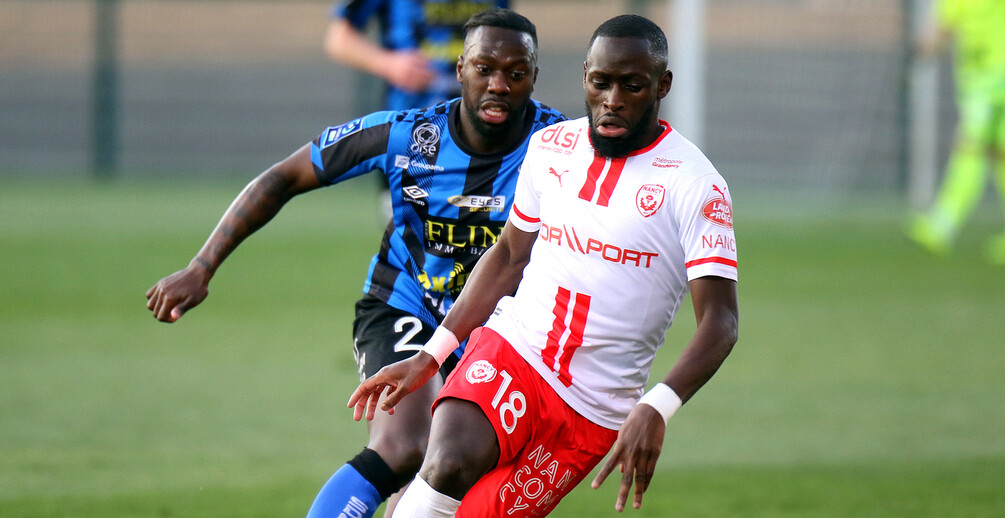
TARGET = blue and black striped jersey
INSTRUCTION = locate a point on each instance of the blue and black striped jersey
(449, 203)
(433, 26)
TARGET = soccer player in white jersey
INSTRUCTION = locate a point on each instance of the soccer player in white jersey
(616, 216)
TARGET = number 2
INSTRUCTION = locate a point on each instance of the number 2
(399, 326)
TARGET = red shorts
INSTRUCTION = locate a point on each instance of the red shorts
(546, 448)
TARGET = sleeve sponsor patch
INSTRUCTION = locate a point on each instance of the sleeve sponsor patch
(337, 133)
(717, 209)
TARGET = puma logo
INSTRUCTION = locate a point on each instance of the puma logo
(718, 190)
(556, 174)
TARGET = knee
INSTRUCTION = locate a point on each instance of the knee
(403, 454)
(451, 474)
(462, 448)
(453, 468)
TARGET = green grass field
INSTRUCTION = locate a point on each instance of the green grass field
(869, 379)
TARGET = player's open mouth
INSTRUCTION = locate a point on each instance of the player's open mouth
(494, 113)
(611, 129)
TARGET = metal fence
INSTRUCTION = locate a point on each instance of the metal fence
(801, 94)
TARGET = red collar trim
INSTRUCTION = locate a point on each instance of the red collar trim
(666, 131)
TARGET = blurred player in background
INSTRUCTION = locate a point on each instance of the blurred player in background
(978, 28)
(616, 217)
(420, 41)
(452, 169)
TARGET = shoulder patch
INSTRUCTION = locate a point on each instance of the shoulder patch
(337, 133)
(717, 209)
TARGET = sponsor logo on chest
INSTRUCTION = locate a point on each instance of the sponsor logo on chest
(402, 162)
(446, 236)
(479, 203)
(566, 236)
(666, 163)
(559, 139)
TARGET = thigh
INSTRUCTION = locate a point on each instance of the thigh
(545, 447)
(495, 378)
(383, 335)
(462, 447)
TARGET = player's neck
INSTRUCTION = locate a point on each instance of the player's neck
(651, 135)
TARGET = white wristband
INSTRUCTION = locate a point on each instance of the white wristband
(441, 344)
(663, 399)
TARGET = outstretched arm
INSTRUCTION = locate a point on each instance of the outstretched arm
(640, 439)
(497, 274)
(257, 204)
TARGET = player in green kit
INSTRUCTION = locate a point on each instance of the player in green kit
(979, 30)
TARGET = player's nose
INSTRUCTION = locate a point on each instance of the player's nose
(614, 98)
(498, 83)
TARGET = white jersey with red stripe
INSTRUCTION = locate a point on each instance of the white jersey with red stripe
(618, 240)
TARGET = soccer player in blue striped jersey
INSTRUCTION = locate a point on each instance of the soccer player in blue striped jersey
(418, 48)
(452, 170)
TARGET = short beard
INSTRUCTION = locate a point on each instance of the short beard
(622, 146)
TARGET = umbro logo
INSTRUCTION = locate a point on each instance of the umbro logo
(414, 192)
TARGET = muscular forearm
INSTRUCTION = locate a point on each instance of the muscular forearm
(701, 359)
(257, 204)
(497, 275)
(716, 313)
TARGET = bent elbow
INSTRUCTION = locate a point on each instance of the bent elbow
(732, 331)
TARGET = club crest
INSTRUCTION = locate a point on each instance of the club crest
(480, 372)
(425, 139)
(649, 199)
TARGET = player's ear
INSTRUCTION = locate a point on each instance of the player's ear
(664, 85)
(460, 64)
(534, 79)
(584, 75)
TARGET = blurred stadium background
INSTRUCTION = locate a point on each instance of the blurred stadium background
(808, 95)
(867, 380)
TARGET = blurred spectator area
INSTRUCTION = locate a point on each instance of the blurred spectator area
(803, 94)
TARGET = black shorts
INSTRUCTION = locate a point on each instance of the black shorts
(383, 335)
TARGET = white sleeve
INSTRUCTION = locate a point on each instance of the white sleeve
(705, 213)
(526, 211)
